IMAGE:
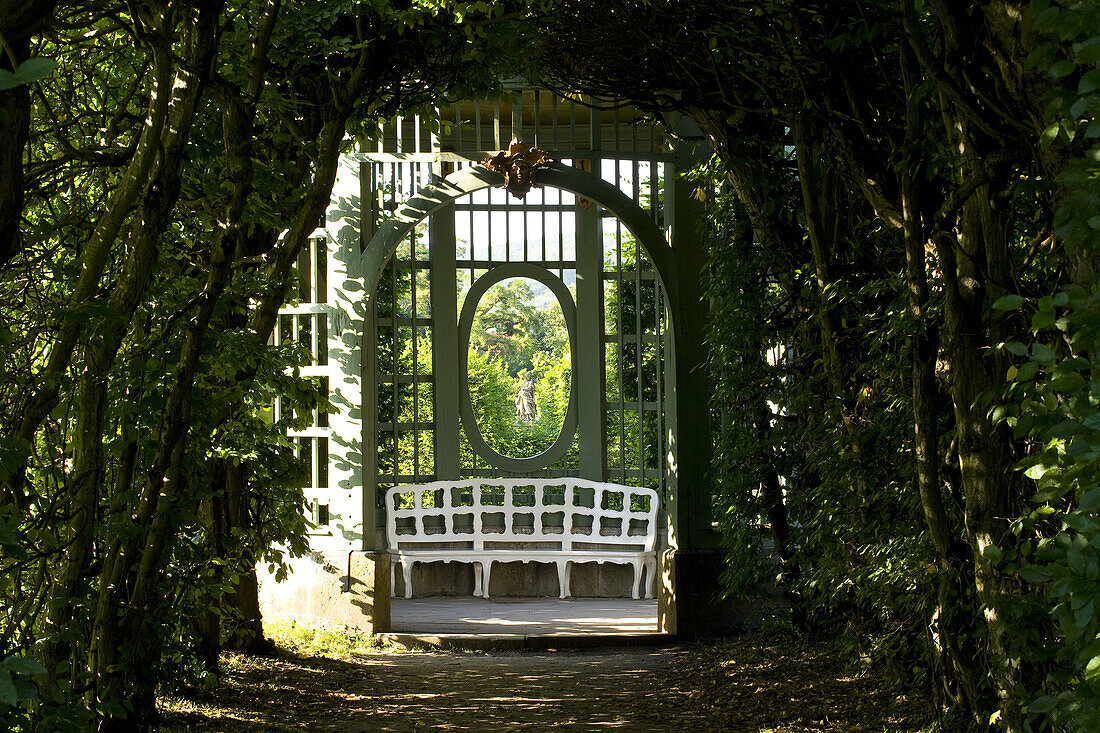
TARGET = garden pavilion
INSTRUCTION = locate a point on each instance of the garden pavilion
(416, 219)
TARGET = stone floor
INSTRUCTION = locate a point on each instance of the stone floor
(523, 616)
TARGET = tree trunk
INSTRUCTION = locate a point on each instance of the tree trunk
(20, 20)
(138, 179)
(15, 113)
(160, 196)
(814, 205)
(982, 462)
(924, 348)
(246, 631)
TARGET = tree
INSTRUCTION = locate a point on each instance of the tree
(914, 129)
(169, 182)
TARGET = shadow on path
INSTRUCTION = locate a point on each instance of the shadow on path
(617, 689)
(746, 685)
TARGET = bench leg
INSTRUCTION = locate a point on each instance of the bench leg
(563, 582)
(635, 590)
(650, 577)
(478, 572)
(406, 572)
(393, 579)
(485, 584)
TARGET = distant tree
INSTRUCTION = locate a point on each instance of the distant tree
(512, 336)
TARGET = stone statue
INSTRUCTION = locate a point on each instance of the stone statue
(525, 400)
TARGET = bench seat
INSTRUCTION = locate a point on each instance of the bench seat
(561, 521)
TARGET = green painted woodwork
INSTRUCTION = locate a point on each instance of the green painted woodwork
(445, 344)
(514, 464)
(431, 199)
(690, 437)
(590, 353)
(587, 336)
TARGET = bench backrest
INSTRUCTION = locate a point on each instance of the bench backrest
(549, 514)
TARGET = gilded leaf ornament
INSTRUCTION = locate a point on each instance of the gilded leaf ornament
(518, 164)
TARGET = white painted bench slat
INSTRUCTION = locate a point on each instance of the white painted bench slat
(562, 521)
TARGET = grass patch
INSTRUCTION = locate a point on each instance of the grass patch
(322, 640)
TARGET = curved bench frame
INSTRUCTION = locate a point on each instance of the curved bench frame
(485, 521)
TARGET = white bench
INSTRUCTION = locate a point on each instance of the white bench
(562, 521)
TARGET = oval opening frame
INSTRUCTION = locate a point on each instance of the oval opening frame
(560, 446)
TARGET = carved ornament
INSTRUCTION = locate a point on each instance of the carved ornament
(517, 165)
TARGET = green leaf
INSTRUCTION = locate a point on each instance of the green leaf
(1034, 574)
(7, 689)
(1050, 134)
(1090, 500)
(1036, 472)
(31, 70)
(34, 69)
(1042, 319)
(1043, 704)
(1090, 82)
(1016, 348)
(1087, 52)
(1083, 615)
(1026, 371)
(1078, 522)
(1061, 68)
(1042, 353)
(24, 667)
(1092, 669)
(1008, 302)
(7, 537)
(1067, 383)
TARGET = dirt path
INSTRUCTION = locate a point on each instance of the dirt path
(748, 685)
(617, 689)
(611, 689)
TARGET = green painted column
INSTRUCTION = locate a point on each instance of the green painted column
(446, 349)
(589, 389)
(692, 564)
(370, 433)
(369, 372)
(693, 441)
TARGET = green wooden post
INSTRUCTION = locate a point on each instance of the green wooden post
(693, 394)
(368, 370)
(692, 565)
(590, 388)
(446, 349)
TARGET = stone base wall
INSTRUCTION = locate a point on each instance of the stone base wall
(689, 602)
(518, 579)
(325, 587)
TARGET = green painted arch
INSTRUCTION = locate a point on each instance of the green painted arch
(437, 196)
(461, 183)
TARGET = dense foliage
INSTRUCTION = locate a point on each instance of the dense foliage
(903, 314)
(163, 165)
